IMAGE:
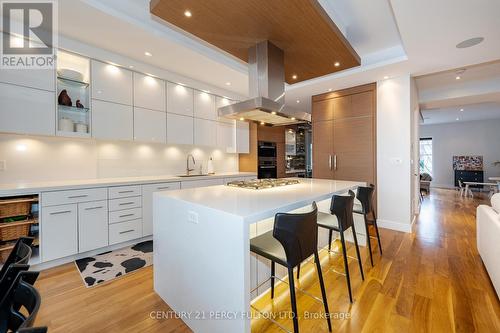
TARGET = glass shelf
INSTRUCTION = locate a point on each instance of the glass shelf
(73, 82)
(72, 109)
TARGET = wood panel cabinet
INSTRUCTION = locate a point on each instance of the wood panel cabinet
(204, 106)
(323, 110)
(150, 125)
(180, 129)
(112, 121)
(111, 83)
(322, 133)
(179, 99)
(26, 110)
(149, 92)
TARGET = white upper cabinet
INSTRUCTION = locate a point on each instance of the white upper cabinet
(111, 83)
(112, 121)
(32, 78)
(150, 125)
(149, 92)
(226, 136)
(26, 110)
(204, 105)
(205, 132)
(179, 129)
(179, 99)
(220, 102)
(242, 137)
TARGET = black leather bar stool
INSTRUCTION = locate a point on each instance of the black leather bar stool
(341, 219)
(366, 196)
(293, 239)
(16, 262)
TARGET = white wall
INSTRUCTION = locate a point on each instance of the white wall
(394, 153)
(32, 158)
(462, 138)
(415, 147)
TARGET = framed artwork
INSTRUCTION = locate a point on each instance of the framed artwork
(468, 163)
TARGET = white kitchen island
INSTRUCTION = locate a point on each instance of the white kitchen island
(202, 262)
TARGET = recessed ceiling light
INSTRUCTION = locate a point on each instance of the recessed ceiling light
(336, 64)
(294, 76)
(188, 13)
(228, 83)
(298, 101)
(262, 123)
(457, 119)
(293, 118)
(274, 112)
(469, 42)
(386, 77)
(148, 54)
(461, 110)
(458, 77)
(330, 89)
(130, 66)
(242, 118)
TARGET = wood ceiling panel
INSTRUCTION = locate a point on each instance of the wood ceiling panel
(310, 39)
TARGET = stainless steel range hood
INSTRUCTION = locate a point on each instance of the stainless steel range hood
(267, 91)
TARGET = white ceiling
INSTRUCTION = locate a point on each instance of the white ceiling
(471, 112)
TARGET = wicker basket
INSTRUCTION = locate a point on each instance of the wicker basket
(15, 207)
(5, 251)
(14, 230)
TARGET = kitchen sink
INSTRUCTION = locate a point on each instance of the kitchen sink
(198, 175)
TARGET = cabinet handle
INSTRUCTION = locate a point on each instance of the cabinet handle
(126, 231)
(126, 203)
(163, 188)
(61, 212)
(78, 196)
(126, 215)
(330, 162)
(128, 191)
(92, 208)
(334, 162)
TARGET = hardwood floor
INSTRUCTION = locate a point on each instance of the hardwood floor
(429, 281)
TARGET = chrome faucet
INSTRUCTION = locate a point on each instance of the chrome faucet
(188, 170)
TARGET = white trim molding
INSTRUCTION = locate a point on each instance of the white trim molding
(398, 226)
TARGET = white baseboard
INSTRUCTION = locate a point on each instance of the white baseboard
(398, 226)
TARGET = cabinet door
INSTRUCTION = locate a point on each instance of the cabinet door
(179, 99)
(242, 137)
(111, 83)
(220, 102)
(323, 149)
(27, 111)
(342, 107)
(204, 105)
(112, 121)
(147, 203)
(226, 136)
(59, 231)
(322, 110)
(92, 225)
(32, 78)
(150, 126)
(205, 132)
(149, 92)
(180, 129)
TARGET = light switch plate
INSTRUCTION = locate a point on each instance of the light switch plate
(3, 165)
(192, 217)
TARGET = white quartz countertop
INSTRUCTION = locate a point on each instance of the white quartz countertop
(35, 187)
(255, 205)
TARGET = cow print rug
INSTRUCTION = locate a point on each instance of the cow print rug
(112, 264)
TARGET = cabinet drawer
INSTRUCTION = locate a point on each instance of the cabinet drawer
(125, 203)
(125, 215)
(122, 232)
(73, 196)
(124, 191)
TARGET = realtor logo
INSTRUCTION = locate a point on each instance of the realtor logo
(29, 35)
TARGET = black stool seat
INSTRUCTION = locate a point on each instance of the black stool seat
(269, 247)
(328, 221)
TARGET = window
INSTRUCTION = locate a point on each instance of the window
(426, 156)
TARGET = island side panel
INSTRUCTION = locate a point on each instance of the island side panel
(204, 267)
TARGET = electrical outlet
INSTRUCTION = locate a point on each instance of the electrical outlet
(3, 165)
(192, 217)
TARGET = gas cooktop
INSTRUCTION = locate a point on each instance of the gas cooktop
(259, 184)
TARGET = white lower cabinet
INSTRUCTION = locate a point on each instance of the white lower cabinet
(125, 231)
(201, 183)
(147, 203)
(150, 125)
(26, 110)
(59, 231)
(92, 225)
(205, 132)
(112, 121)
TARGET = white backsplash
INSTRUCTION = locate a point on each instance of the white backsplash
(36, 158)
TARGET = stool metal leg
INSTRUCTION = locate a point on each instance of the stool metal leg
(323, 291)
(346, 265)
(330, 234)
(272, 278)
(378, 235)
(298, 271)
(368, 241)
(293, 301)
(357, 252)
